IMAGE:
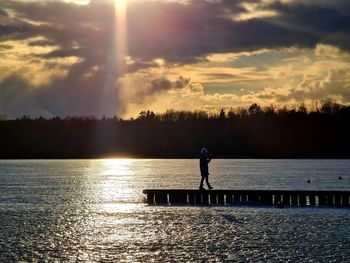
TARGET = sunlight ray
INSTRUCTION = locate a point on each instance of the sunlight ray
(115, 60)
(121, 34)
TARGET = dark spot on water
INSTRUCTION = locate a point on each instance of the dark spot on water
(230, 218)
(280, 205)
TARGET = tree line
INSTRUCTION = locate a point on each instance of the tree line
(252, 132)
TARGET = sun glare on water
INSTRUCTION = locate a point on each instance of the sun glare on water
(117, 167)
(114, 186)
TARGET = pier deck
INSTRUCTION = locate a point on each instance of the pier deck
(279, 198)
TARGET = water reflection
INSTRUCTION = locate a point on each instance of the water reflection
(113, 186)
(92, 210)
(117, 167)
(119, 208)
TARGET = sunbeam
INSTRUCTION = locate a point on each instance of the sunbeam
(121, 34)
(115, 60)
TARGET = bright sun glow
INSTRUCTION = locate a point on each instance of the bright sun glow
(121, 5)
(117, 167)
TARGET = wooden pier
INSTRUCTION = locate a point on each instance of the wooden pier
(279, 198)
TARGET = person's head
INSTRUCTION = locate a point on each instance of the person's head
(204, 152)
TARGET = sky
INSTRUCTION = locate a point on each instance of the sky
(107, 57)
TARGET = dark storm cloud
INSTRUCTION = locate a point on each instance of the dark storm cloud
(3, 13)
(85, 32)
(178, 33)
(3, 46)
(60, 53)
(155, 86)
(141, 64)
(163, 84)
(182, 33)
(62, 97)
(41, 43)
(14, 31)
(326, 25)
(16, 99)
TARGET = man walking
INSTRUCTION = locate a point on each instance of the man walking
(204, 159)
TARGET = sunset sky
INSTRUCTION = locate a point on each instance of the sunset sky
(104, 57)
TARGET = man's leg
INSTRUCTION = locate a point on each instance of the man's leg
(201, 185)
(207, 181)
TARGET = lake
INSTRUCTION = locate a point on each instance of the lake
(93, 210)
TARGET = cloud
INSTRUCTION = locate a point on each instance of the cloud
(13, 93)
(88, 86)
(41, 42)
(206, 41)
(4, 46)
(335, 85)
(63, 97)
(140, 89)
(288, 76)
(3, 13)
(183, 33)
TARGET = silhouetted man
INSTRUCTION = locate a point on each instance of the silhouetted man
(204, 159)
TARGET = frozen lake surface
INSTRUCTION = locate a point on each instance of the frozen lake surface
(93, 210)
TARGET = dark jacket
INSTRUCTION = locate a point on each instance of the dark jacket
(203, 164)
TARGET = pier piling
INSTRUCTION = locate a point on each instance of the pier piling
(231, 197)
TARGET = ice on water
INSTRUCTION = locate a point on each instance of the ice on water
(92, 210)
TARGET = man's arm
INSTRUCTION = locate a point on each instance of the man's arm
(209, 158)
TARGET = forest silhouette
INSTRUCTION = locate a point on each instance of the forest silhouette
(253, 132)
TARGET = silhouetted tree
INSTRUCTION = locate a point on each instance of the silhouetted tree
(255, 110)
(222, 114)
(257, 132)
(242, 112)
(302, 108)
(270, 111)
(283, 111)
(147, 115)
(231, 114)
(329, 106)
